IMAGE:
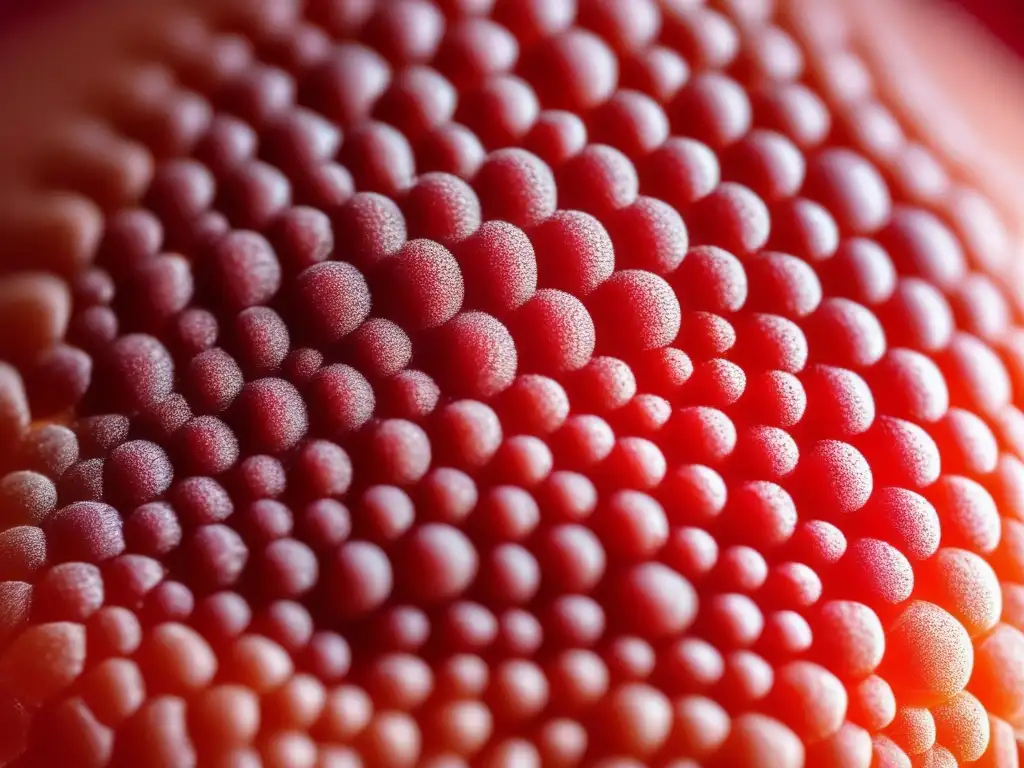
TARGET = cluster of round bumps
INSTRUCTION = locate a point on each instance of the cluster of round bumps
(508, 383)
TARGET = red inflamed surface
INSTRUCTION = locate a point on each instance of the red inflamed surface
(507, 383)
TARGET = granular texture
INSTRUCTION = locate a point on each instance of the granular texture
(513, 383)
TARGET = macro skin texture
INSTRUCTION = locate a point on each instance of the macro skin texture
(508, 383)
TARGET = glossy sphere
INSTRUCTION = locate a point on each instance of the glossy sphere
(509, 383)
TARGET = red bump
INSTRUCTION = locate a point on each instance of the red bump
(407, 31)
(703, 435)
(251, 198)
(630, 121)
(501, 111)
(88, 531)
(26, 497)
(967, 513)
(681, 171)
(766, 342)
(301, 237)
(499, 267)
(598, 180)
(322, 469)
(441, 207)
(792, 585)
(140, 371)
(768, 163)
(136, 472)
(152, 529)
(712, 108)
(516, 186)
(966, 442)
(875, 572)
(554, 332)
(474, 49)
(908, 385)
(835, 477)
(48, 449)
(447, 495)
(467, 434)
(657, 71)
(379, 158)
(652, 319)
(272, 415)
(849, 638)
(929, 657)
(194, 331)
(861, 270)
(451, 148)
(398, 451)
(845, 333)
(177, 659)
(212, 380)
(775, 398)
(997, 681)
(261, 340)
(887, 753)
(575, 70)
(917, 316)
(839, 402)
(649, 235)
(632, 525)
(966, 586)
(476, 356)
(766, 453)
(706, 37)
(913, 729)
(69, 592)
(981, 307)
(759, 741)
(260, 477)
(340, 399)
(58, 379)
(923, 246)
(419, 100)
(901, 453)
(713, 280)
(872, 703)
(717, 383)
(371, 227)
(759, 513)
(905, 519)
(747, 679)
(425, 285)
(43, 661)
(247, 270)
(574, 252)
(604, 384)
(803, 228)
(849, 186)
(810, 699)
(556, 136)
(977, 378)
(199, 500)
(331, 299)
(656, 601)
(218, 556)
(783, 285)
(962, 726)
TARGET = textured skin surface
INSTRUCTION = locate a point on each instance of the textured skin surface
(507, 383)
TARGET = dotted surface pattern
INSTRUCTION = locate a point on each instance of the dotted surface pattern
(508, 383)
